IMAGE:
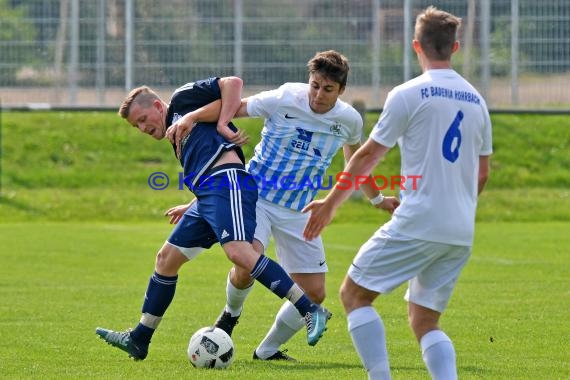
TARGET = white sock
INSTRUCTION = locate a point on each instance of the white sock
(287, 322)
(369, 338)
(439, 355)
(235, 297)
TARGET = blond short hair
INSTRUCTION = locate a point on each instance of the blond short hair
(144, 96)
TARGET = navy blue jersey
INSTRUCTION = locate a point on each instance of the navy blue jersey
(203, 146)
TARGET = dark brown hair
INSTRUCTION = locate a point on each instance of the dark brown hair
(330, 64)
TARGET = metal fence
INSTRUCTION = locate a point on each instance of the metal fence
(90, 52)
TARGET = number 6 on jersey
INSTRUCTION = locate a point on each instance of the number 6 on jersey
(450, 152)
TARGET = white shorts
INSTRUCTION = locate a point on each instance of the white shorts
(294, 253)
(389, 259)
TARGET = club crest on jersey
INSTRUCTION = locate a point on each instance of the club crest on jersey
(336, 128)
(176, 117)
(303, 141)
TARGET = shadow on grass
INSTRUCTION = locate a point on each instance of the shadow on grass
(473, 370)
(302, 366)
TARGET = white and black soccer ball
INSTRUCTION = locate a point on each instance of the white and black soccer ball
(211, 347)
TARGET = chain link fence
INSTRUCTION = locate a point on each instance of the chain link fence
(90, 52)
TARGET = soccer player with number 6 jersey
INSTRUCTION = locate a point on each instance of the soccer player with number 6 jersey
(442, 126)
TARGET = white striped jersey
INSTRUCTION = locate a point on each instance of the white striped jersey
(297, 145)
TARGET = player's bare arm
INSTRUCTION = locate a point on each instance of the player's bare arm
(209, 113)
(239, 137)
(484, 171)
(220, 111)
(231, 89)
(322, 212)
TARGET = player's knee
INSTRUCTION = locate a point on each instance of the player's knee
(161, 260)
(259, 248)
(241, 277)
(235, 256)
(418, 322)
(422, 323)
(168, 261)
(241, 254)
(345, 296)
(352, 298)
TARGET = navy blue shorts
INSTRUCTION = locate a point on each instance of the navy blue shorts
(224, 210)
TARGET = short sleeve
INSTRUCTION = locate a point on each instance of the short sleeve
(393, 121)
(264, 103)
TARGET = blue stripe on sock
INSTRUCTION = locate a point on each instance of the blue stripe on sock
(260, 266)
(165, 280)
(272, 276)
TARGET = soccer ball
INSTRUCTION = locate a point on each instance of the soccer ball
(211, 347)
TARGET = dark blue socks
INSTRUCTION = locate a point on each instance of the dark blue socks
(274, 277)
(159, 294)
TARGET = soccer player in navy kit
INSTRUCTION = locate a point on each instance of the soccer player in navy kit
(224, 210)
(442, 126)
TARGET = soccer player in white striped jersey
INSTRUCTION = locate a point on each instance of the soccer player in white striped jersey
(442, 126)
(306, 124)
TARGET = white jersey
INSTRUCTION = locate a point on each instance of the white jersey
(442, 126)
(297, 144)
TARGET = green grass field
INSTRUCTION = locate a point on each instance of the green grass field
(508, 318)
(79, 229)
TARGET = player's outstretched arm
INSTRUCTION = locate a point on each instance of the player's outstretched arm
(321, 216)
(360, 164)
(376, 198)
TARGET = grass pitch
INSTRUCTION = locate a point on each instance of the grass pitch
(508, 317)
(80, 227)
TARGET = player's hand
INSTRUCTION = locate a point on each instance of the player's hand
(175, 213)
(239, 138)
(321, 216)
(389, 204)
(177, 131)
